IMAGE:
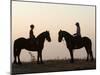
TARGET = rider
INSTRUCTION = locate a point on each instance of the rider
(31, 36)
(77, 35)
(78, 32)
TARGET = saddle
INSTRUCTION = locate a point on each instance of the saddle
(77, 41)
(33, 43)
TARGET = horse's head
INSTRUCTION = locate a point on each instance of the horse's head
(60, 37)
(67, 36)
(47, 36)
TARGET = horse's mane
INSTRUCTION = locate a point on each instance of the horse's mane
(66, 33)
(40, 34)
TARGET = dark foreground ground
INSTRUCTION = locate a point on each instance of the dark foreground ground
(52, 66)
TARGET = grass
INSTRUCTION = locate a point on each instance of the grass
(53, 66)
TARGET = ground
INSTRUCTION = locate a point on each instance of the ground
(53, 66)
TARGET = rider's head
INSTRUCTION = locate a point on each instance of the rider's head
(77, 24)
(32, 26)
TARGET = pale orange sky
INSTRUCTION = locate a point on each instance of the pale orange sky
(52, 17)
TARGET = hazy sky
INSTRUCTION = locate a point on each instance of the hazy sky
(52, 17)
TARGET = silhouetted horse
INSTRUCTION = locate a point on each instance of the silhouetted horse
(22, 43)
(72, 44)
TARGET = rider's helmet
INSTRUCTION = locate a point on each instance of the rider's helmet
(77, 24)
(32, 26)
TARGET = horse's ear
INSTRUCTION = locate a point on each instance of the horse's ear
(60, 30)
(47, 31)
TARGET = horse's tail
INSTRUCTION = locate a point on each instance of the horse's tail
(14, 49)
(88, 45)
(91, 53)
(14, 52)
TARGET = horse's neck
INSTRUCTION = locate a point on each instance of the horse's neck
(41, 37)
(68, 37)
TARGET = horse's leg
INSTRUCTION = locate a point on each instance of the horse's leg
(71, 54)
(87, 57)
(19, 50)
(90, 51)
(38, 57)
(91, 55)
(41, 57)
(15, 62)
(87, 53)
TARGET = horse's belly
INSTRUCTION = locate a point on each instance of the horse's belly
(29, 49)
(77, 46)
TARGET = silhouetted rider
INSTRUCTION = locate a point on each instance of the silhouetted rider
(77, 35)
(32, 37)
(78, 31)
(31, 34)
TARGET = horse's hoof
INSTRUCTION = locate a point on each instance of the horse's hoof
(19, 63)
(14, 62)
(71, 61)
(42, 62)
(38, 62)
(92, 59)
(87, 59)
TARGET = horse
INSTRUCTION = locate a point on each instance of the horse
(73, 44)
(22, 43)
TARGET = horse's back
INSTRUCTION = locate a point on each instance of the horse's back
(20, 41)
